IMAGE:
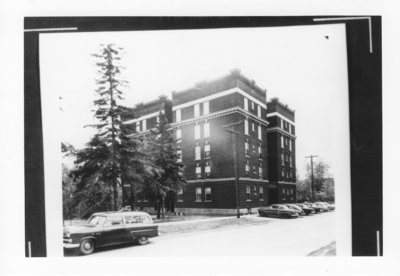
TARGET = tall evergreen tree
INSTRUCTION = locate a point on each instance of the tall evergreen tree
(167, 172)
(111, 155)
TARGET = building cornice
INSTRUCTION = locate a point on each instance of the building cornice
(280, 116)
(219, 95)
(220, 114)
(278, 129)
(284, 182)
(147, 116)
(207, 180)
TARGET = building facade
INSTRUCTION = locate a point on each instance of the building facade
(281, 135)
(202, 118)
(199, 116)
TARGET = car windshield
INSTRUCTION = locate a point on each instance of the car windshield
(96, 220)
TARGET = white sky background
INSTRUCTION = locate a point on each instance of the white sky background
(297, 64)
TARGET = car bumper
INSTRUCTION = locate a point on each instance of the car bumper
(68, 244)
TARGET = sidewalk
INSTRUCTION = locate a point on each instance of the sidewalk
(169, 228)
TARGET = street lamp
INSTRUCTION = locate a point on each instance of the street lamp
(235, 134)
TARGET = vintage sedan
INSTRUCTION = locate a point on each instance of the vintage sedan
(324, 207)
(313, 206)
(307, 210)
(329, 206)
(103, 229)
(296, 208)
(277, 210)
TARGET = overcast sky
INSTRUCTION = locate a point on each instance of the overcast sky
(305, 67)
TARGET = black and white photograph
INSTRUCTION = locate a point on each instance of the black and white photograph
(180, 137)
(171, 140)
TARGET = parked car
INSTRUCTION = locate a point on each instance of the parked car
(103, 229)
(330, 206)
(317, 209)
(277, 210)
(296, 208)
(307, 210)
(323, 207)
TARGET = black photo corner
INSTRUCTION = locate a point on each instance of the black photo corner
(363, 36)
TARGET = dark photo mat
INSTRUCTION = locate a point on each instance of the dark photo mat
(363, 35)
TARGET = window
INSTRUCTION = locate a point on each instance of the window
(259, 152)
(197, 151)
(283, 191)
(246, 148)
(246, 127)
(259, 111)
(198, 171)
(178, 115)
(252, 105)
(283, 172)
(113, 221)
(288, 126)
(254, 170)
(131, 219)
(290, 145)
(144, 125)
(197, 132)
(207, 192)
(158, 119)
(207, 151)
(196, 110)
(283, 158)
(208, 170)
(260, 172)
(253, 127)
(198, 194)
(206, 130)
(179, 195)
(138, 126)
(261, 192)
(206, 108)
(287, 141)
(253, 147)
(247, 168)
(179, 153)
(178, 134)
(282, 144)
(246, 104)
(144, 219)
(248, 193)
(282, 123)
(290, 161)
(259, 133)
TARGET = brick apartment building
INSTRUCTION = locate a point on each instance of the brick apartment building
(198, 116)
(281, 152)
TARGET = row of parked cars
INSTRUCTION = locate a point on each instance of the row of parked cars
(295, 209)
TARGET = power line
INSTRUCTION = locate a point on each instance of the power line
(312, 175)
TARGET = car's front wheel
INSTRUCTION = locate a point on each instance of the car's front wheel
(87, 246)
(143, 240)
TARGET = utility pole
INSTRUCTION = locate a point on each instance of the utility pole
(312, 175)
(235, 134)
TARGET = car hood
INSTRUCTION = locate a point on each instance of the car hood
(85, 228)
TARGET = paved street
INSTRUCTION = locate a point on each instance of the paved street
(280, 237)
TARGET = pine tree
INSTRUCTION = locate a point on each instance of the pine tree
(111, 155)
(167, 172)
